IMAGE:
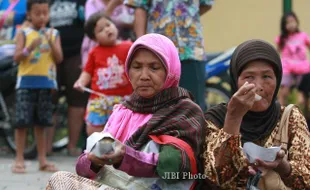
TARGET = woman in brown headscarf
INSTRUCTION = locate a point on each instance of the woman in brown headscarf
(253, 115)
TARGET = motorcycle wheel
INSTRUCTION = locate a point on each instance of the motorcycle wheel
(61, 136)
(30, 151)
(217, 90)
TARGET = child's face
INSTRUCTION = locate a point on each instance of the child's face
(39, 15)
(106, 32)
(291, 24)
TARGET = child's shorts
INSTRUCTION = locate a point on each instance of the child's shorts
(34, 107)
(99, 110)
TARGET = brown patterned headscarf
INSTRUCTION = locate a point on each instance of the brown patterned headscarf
(255, 125)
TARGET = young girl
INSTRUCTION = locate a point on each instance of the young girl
(121, 15)
(38, 49)
(105, 70)
(292, 43)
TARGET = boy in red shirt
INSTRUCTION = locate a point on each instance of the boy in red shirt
(105, 69)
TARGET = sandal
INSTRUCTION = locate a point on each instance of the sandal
(18, 168)
(48, 168)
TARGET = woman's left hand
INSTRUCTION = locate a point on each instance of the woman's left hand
(113, 158)
(280, 165)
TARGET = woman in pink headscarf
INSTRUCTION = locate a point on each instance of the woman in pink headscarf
(158, 131)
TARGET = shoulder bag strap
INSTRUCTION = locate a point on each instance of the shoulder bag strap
(283, 128)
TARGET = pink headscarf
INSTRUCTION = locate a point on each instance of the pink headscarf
(124, 122)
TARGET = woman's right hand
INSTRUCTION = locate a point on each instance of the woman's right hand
(242, 101)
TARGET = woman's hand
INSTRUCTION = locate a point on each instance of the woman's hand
(280, 165)
(113, 158)
(242, 101)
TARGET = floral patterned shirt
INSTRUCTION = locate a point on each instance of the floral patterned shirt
(232, 171)
(179, 20)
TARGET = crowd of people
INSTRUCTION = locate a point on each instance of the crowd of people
(143, 63)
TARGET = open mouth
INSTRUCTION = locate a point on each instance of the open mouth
(110, 35)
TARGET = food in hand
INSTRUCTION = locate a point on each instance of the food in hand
(257, 97)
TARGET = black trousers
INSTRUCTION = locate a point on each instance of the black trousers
(193, 79)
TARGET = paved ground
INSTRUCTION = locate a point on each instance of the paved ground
(33, 179)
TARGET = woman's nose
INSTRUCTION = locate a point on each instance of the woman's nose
(259, 87)
(144, 74)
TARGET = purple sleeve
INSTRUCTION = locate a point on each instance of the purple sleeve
(83, 167)
(139, 164)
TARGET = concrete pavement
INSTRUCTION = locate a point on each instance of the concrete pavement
(33, 179)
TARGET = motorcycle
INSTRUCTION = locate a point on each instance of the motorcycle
(8, 73)
(217, 78)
